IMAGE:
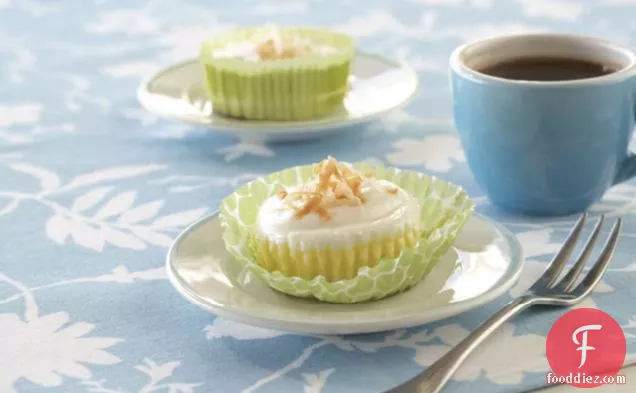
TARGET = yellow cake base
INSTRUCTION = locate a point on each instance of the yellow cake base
(332, 263)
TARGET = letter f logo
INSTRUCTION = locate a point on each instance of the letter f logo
(584, 347)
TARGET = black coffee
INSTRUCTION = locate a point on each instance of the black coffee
(548, 69)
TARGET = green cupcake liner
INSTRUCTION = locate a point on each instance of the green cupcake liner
(305, 87)
(445, 209)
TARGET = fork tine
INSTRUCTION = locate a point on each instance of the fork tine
(558, 262)
(570, 279)
(596, 272)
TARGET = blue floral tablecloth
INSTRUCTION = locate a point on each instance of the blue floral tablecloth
(93, 189)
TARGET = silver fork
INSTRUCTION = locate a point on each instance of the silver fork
(547, 290)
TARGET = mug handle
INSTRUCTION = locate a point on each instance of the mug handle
(627, 169)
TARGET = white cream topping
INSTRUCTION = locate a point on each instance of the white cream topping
(250, 49)
(246, 50)
(382, 214)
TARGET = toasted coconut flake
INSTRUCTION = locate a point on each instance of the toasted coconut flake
(323, 213)
(272, 50)
(337, 185)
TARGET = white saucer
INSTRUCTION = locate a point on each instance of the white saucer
(485, 262)
(377, 86)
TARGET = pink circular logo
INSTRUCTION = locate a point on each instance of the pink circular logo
(584, 347)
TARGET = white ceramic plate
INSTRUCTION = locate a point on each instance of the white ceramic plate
(485, 262)
(377, 86)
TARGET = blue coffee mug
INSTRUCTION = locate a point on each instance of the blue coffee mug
(545, 148)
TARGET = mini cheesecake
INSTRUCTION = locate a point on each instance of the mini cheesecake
(277, 73)
(335, 224)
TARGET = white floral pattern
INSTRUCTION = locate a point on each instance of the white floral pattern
(93, 189)
(20, 113)
(158, 378)
(243, 148)
(46, 349)
(537, 242)
(438, 153)
(225, 328)
(528, 350)
(100, 216)
(315, 382)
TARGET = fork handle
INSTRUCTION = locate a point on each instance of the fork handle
(438, 374)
